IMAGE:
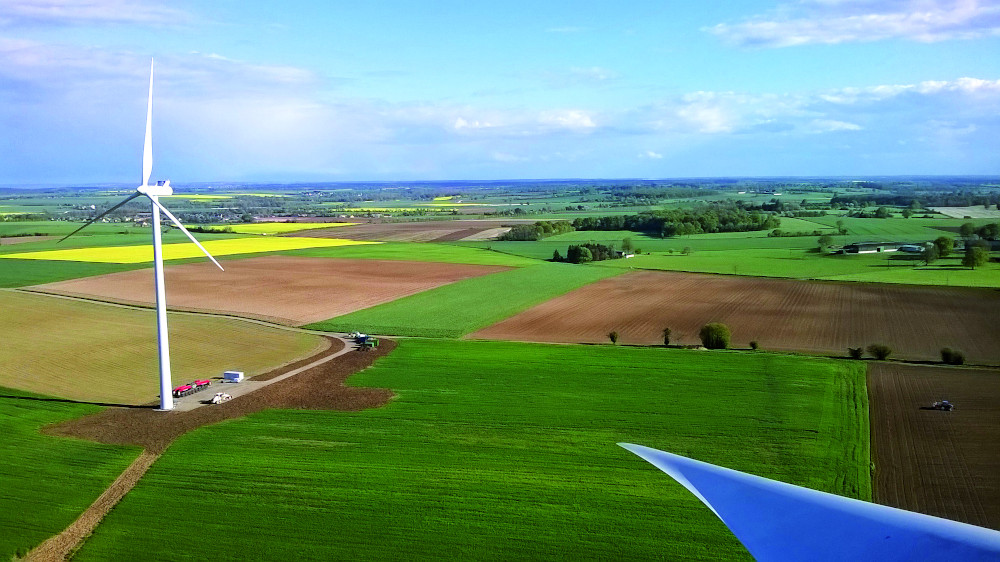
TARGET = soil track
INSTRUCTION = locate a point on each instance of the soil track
(283, 289)
(425, 231)
(940, 463)
(319, 388)
(812, 317)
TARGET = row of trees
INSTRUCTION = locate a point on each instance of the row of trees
(537, 231)
(584, 253)
(977, 252)
(726, 217)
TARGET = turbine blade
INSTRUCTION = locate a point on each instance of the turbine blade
(147, 149)
(778, 521)
(98, 217)
(184, 230)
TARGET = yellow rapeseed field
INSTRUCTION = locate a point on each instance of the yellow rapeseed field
(144, 253)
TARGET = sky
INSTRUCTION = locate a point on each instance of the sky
(309, 91)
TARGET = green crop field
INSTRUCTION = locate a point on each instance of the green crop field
(896, 229)
(504, 451)
(46, 482)
(94, 352)
(459, 308)
(805, 264)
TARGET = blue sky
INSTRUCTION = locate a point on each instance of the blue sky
(407, 90)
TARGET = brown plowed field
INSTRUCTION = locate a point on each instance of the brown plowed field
(814, 317)
(290, 290)
(426, 231)
(940, 463)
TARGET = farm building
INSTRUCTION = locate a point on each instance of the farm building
(874, 247)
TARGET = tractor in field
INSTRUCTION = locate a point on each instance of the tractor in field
(943, 405)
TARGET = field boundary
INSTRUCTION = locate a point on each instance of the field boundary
(63, 545)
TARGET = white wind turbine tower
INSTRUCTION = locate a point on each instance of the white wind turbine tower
(154, 192)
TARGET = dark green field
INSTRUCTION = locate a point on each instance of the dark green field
(46, 482)
(501, 451)
(459, 308)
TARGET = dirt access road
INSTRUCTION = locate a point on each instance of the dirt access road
(939, 463)
(316, 382)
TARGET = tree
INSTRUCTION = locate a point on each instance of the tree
(880, 351)
(855, 352)
(952, 356)
(975, 256)
(825, 241)
(715, 335)
(613, 336)
(929, 254)
(967, 230)
(754, 345)
(686, 250)
(907, 213)
(666, 336)
(627, 245)
(882, 213)
(556, 256)
(944, 246)
(841, 228)
(990, 231)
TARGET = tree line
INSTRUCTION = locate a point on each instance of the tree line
(679, 222)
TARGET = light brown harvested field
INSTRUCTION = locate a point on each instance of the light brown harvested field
(290, 290)
(940, 463)
(11, 240)
(814, 317)
(98, 353)
(425, 231)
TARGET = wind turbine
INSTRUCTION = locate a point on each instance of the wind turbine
(154, 192)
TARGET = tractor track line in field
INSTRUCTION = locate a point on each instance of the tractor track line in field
(62, 546)
(316, 382)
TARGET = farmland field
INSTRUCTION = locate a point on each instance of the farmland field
(500, 450)
(290, 290)
(278, 227)
(459, 308)
(45, 482)
(802, 264)
(780, 314)
(94, 352)
(419, 251)
(940, 463)
(426, 231)
(144, 253)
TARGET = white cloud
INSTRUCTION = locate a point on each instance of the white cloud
(77, 12)
(82, 110)
(830, 125)
(843, 21)
(568, 119)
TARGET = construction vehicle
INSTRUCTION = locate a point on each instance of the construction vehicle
(191, 388)
(220, 397)
(183, 390)
(943, 405)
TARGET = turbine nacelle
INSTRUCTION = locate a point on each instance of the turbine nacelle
(160, 189)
